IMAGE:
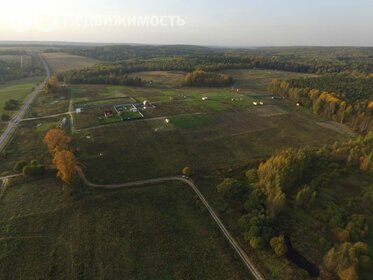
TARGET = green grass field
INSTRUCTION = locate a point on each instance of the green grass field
(63, 61)
(153, 148)
(27, 144)
(126, 116)
(259, 79)
(17, 90)
(16, 58)
(155, 232)
(161, 78)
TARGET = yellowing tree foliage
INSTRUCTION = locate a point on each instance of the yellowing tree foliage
(278, 174)
(56, 140)
(66, 165)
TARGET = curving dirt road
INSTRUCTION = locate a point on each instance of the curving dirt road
(240, 252)
(12, 125)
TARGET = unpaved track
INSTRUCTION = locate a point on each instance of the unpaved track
(240, 252)
(13, 123)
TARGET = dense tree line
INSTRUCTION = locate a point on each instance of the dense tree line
(352, 105)
(201, 78)
(98, 76)
(12, 70)
(189, 58)
(349, 87)
(122, 60)
(293, 179)
(296, 180)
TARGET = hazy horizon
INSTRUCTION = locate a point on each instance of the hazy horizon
(205, 23)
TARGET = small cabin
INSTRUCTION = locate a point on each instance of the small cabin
(108, 114)
(205, 98)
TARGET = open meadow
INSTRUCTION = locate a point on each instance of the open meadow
(212, 130)
(167, 79)
(60, 61)
(226, 129)
(155, 232)
(16, 90)
(260, 79)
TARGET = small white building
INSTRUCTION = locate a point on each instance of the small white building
(167, 120)
(261, 103)
(205, 98)
(255, 103)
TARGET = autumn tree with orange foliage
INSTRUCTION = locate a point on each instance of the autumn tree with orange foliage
(64, 160)
(56, 140)
(66, 165)
(51, 84)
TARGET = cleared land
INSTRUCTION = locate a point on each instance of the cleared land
(156, 232)
(161, 78)
(63, 61)
(48, 235)
(225, 130)
(206, 135)
(26, 59)
(17, 90)
(259, 79)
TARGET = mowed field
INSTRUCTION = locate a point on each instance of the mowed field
(155, 232)
(224, 131)
(17, 90)
(64, 61)
(260, 79)
(161, 78)
(26, 59)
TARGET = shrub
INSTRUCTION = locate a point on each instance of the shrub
(11, 105)
(232, 190)
(33, 170)
(252, 175)
(20, 165)
(278, 245)
(365, 262)
(305, 197)
(186, 171)
(257, 243)
(5, 117)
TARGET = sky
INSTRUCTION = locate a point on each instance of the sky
(240, 23)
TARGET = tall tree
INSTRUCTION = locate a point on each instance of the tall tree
(56, 140)
(66, 165)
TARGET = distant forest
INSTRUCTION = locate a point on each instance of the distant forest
(12, 69)
(189, 58)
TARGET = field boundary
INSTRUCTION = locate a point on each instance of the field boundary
(232, 241)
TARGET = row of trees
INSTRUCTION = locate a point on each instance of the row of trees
(11, 105)
(355, 111)
(64, 160)
(95, 75)
(293, 179)
(207, 79)
(30, 169)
